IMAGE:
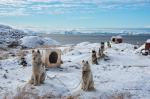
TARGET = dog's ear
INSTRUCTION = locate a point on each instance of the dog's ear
(38, 51)
(33, 51)
(87, 62)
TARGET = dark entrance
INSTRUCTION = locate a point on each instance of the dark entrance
(119, 40)
(53, 57)
(113, 39)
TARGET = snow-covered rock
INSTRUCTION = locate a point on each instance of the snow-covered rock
(9, 35)
(83, 44)
(140, 48)
(35, 41)
(5, 27)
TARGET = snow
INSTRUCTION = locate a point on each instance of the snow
(35, 41)
(119, 37)
(4, 27)
(148, 41)
(140, 48)
(125, 74)
(113, 36)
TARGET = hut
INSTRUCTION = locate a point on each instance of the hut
(116, 39)
(147, 45)
(51, 57)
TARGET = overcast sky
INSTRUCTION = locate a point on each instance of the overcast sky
(75, 13)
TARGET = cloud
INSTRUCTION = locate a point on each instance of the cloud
(12, 3)
(17, 12)
(123, 3)
(65, 6)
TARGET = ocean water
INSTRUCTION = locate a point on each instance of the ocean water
(74, 39)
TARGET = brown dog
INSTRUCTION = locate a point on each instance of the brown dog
(87, 77)
(94, 57)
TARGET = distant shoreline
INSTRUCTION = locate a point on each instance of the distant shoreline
(93, 38)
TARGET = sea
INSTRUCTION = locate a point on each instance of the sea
(94, 38)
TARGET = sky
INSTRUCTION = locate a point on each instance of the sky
(71, 14)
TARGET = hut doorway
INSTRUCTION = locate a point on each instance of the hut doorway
(113, 39)
(53, 57)
(119, 40)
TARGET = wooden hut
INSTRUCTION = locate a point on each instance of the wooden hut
(51, 57)
(117, 39)
(147, 45)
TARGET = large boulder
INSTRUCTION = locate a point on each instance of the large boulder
(35, 41)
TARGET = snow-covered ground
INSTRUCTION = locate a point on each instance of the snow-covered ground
(126, 74)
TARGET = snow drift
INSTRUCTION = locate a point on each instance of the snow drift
(35, 41)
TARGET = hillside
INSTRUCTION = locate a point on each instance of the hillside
(125, 74)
